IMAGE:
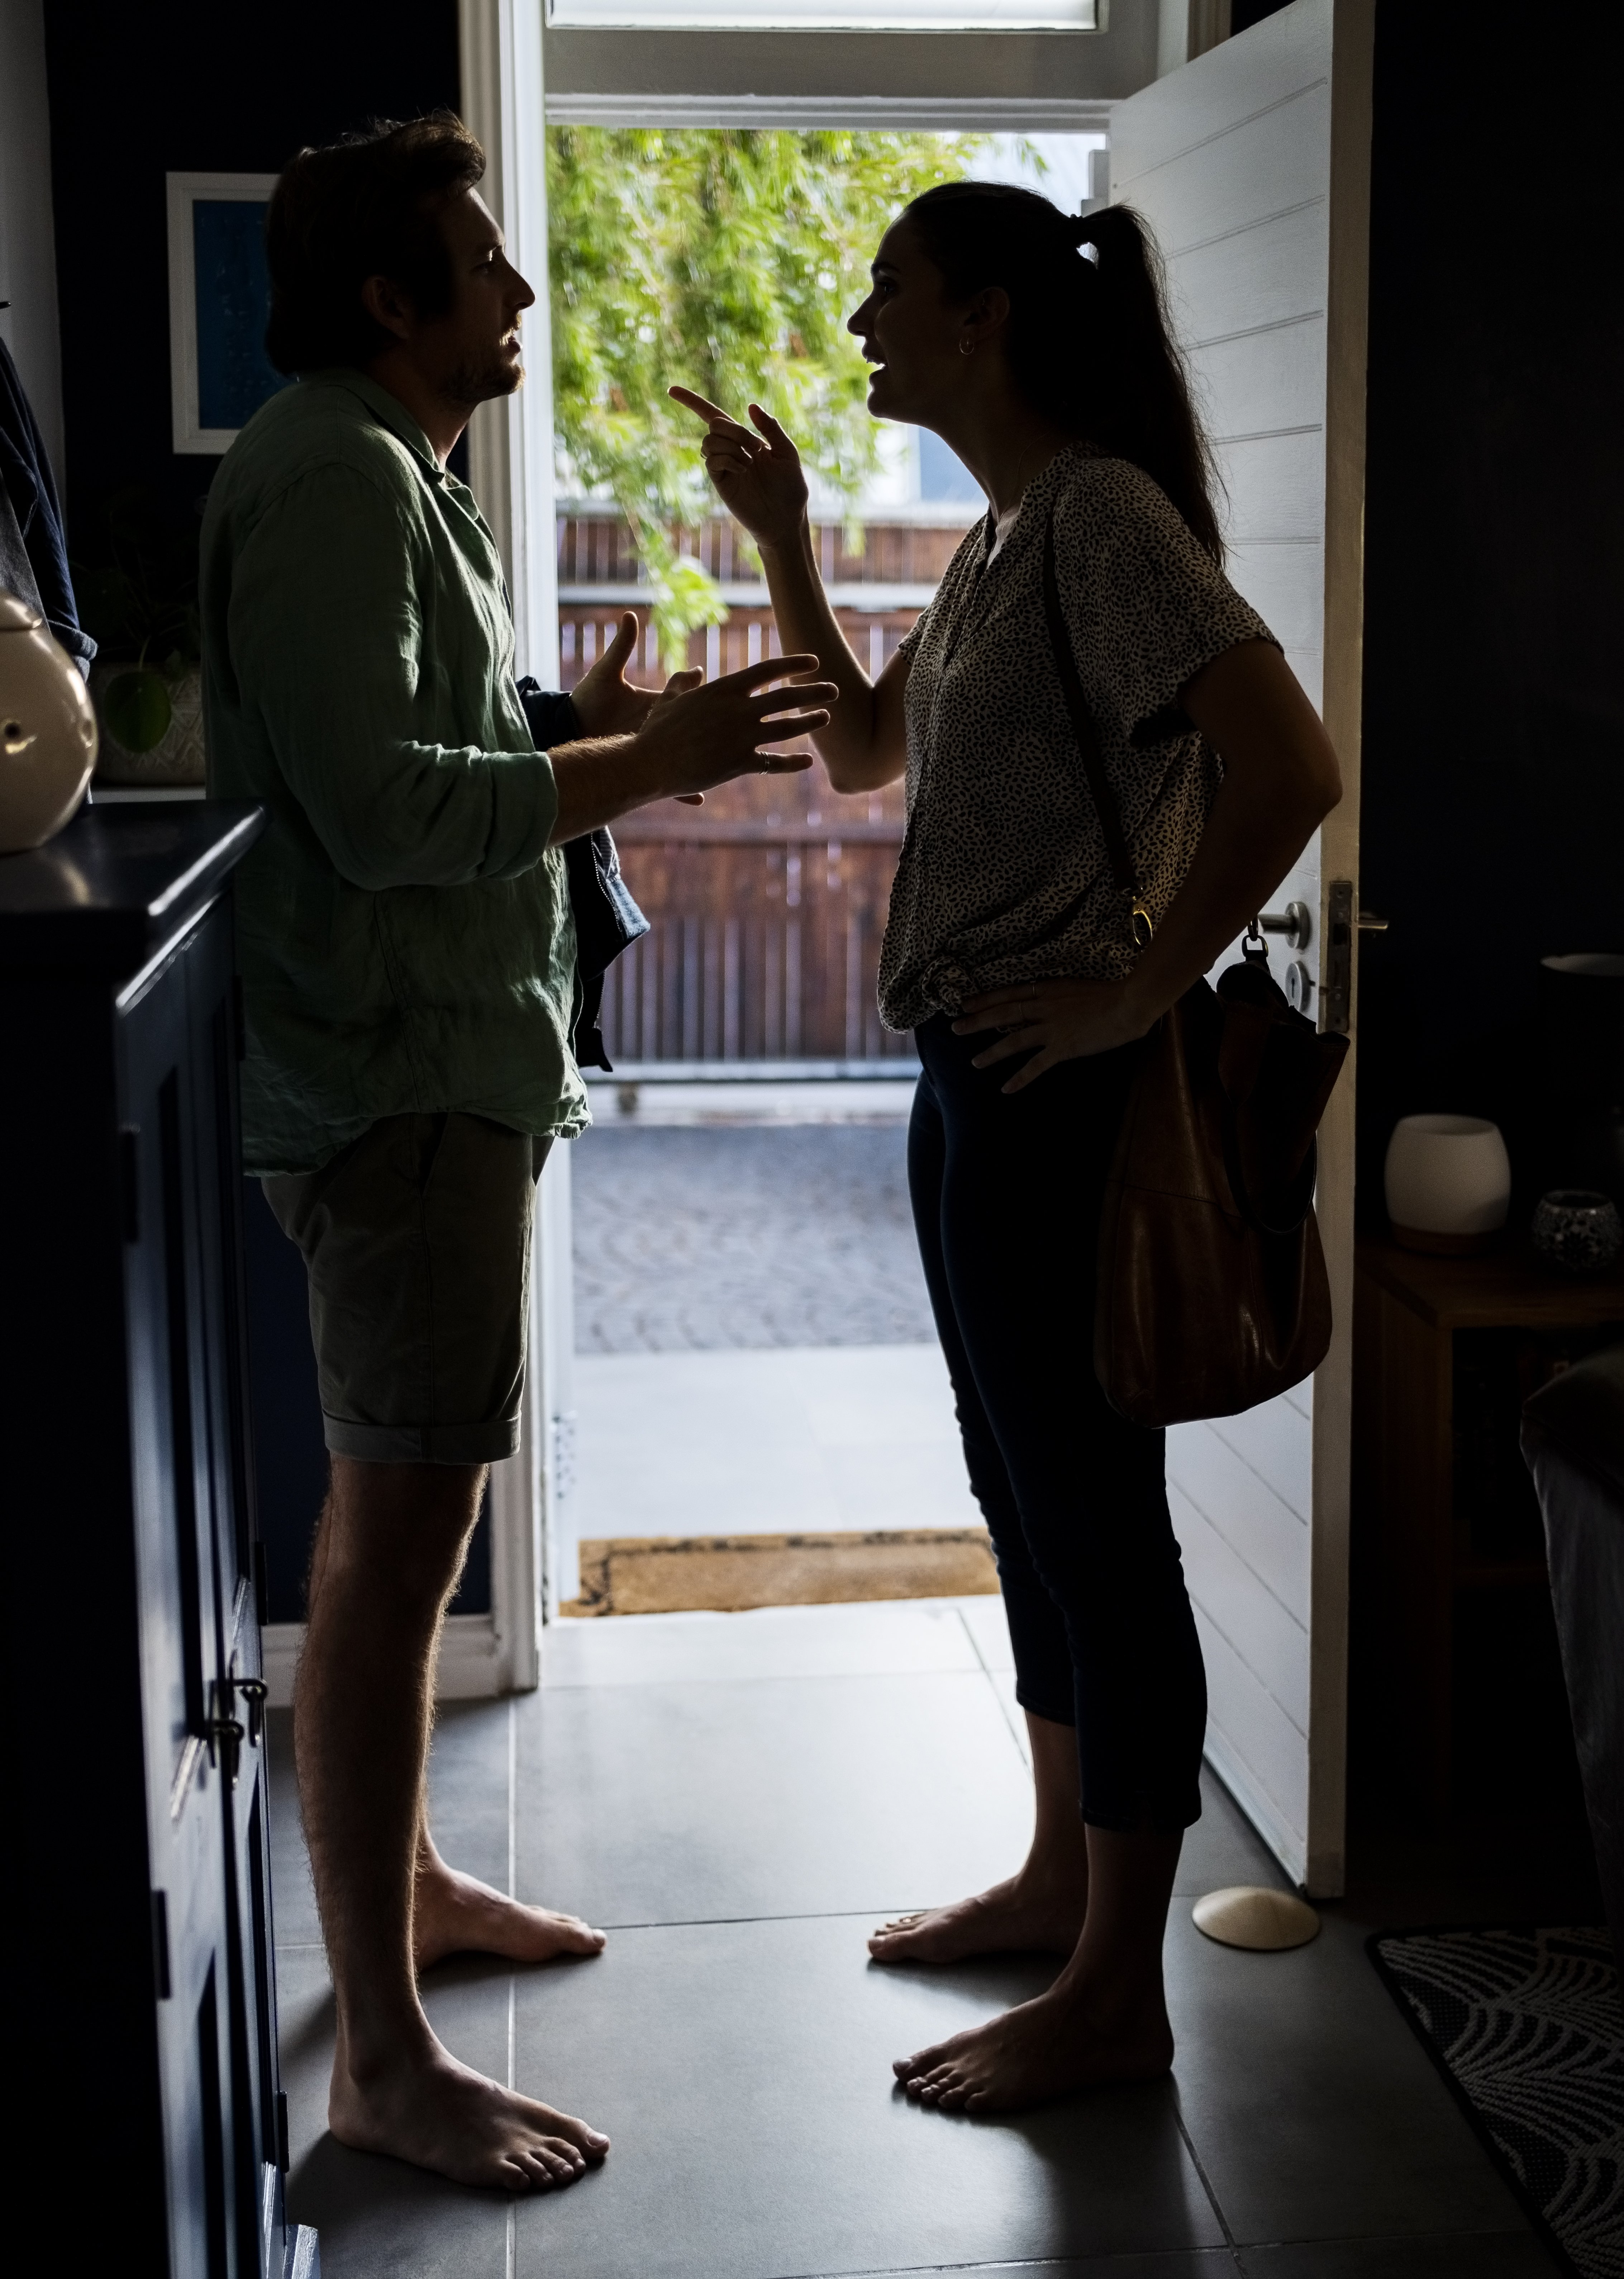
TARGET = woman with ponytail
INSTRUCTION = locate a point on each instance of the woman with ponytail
(1036, 344)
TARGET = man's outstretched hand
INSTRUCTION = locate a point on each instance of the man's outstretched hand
(607, 704)
(693, 739)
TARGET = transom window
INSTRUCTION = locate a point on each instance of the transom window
(828, 15)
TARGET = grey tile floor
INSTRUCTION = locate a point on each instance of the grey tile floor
(736, 1798)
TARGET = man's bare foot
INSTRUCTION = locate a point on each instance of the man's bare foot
(442, 2115)
(1064, 2040)
(452, 1914)
(1013, 1918)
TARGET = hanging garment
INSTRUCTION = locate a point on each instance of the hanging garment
(35, 517)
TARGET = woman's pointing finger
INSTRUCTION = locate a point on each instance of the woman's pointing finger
(701, 404)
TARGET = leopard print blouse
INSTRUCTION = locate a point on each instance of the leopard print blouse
(1004, 876)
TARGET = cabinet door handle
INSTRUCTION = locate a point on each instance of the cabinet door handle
(225, 1737)
(256, 1692)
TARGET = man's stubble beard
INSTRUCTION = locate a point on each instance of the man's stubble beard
(478, 383)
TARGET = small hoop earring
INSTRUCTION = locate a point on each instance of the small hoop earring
(966, 347)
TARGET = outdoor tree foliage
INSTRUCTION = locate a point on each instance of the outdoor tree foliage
(729, 261)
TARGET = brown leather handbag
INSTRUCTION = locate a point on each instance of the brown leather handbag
(1212, 1293)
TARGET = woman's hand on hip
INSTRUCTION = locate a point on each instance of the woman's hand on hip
(757, 476)
(1053, 1021)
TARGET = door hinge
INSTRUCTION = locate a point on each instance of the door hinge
(160, 1943)
(129, 1180)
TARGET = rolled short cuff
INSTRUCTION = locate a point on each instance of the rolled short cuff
(1150, 1821)
(421, 1444)
(1057, 1712)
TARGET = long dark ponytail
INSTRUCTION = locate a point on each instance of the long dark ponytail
(1088, 342)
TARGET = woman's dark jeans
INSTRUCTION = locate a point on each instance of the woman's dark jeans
(1006, 1192)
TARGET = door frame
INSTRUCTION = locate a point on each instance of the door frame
(1347, 338)
(511, 468)
(503, 52)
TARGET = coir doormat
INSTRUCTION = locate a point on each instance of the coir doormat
(663, 1575)
(1527, 2028)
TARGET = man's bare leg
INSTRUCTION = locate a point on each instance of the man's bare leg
(388, 1553)
(454, 1913)
(1043, 1906)
(1104, 2019)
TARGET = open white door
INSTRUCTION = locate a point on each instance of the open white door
(1252, 165)
(510, 450)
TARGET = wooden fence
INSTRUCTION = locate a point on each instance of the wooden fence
(768, 903)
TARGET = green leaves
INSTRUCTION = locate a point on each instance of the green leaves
(729, 261)
(136, 709)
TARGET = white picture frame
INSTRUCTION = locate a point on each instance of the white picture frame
(185, 192)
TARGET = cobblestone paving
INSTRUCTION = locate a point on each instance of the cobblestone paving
(707, 1238)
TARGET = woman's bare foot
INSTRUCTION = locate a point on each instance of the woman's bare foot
(452, 1914)
(1016, 1917)
(1064, 2040)
(439, 2114)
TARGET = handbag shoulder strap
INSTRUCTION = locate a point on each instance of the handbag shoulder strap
(1088, 742)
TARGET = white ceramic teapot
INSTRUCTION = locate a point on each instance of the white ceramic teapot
(47, 730)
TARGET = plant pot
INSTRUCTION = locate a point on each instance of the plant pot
(177, 759)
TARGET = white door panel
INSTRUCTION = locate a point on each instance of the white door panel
(1261, 1527)
(1278, 1442)
(1248, 279)
(1268, 1640)
(1241, 81)
(1267, 164)
(1232, 160)
(1276, 487)
(1263, 383)
(1284, 581)
(1255, 1748)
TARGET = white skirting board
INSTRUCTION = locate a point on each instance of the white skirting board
(474, 1663)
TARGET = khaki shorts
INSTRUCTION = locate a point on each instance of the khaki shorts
(416, 1242)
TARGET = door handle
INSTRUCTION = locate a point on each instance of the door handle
(1295, 922)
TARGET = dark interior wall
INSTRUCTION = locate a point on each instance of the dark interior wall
(1493, 802)
(136, 93)
(232, 88)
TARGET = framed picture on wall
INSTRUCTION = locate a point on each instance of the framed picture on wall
(219, 296)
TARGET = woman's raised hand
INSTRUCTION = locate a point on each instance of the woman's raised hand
(758, 476)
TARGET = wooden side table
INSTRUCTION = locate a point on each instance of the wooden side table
(1421, 1531)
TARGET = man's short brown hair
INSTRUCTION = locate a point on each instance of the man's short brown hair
(366, 206)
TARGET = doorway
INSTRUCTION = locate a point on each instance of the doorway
(1252, 162)
(761, 1411)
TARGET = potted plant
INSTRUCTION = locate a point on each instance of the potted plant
(138, 602)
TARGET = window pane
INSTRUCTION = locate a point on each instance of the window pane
(831, 15)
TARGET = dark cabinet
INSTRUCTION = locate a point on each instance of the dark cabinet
(143, 2033)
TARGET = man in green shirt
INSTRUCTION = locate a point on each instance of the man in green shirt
(409, 969)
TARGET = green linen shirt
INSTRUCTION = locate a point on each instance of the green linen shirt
(403, 927)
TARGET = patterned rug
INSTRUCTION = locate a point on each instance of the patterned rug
(1527, 2028)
